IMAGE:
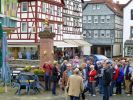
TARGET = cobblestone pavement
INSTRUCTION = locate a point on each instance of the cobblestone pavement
(47, 95)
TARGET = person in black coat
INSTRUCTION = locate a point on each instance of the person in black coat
(54, 76)
(106, 82)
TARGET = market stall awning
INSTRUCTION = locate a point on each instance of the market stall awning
(78, 42)
(82, 42)
(128, 42)
(72, 42)
(63, 44)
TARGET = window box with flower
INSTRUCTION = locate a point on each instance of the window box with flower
(77, 27)
(65, 8)
(76, 11)
(65, 25)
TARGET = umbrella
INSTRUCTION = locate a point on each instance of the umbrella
(5, 70)
(1, 36)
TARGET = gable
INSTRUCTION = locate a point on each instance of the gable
(104, 10)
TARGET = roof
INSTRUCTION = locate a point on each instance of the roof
(112, 5)
(121, 6)
(128, 42)
(127, 3)
(85, 3)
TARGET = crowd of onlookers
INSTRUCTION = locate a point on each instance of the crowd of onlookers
(77, 79)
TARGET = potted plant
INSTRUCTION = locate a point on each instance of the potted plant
(39, 71)
(28, 69)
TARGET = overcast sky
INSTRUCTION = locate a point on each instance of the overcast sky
(121, 1)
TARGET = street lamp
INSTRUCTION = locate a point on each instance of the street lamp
(111, 37)
(130, 38)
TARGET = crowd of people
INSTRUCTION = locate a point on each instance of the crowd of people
(67, 54)
(77, 79)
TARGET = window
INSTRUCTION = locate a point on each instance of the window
(24, 6)
(65, 3)
(131, 31)
(74, 22)
(84, 19)
(102, 33)
(107, 33)
(132, 14)
(77, 22)
(89, 33)
(89, 19)
(74, 7)
(24, 27)
(102, 19)
(108, 19)
(44, 8)
(58, 11)
(84, 33)
(58, 29)
(95, 19)
(77, 7)
(98, 6)
(95, 33)
(65, 20)
(43, 26)
(94, 6)
(51, 9)
(51, 28)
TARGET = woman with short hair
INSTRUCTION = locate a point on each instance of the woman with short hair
(92, 81)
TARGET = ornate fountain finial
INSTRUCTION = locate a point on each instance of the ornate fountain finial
(46, 22)
(46, 33)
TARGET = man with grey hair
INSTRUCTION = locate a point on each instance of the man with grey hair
(66, 74)
(100, 74)
(64, 67)
(75, 85)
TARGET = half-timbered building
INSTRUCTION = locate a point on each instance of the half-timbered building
(72, 18)
(32, 14)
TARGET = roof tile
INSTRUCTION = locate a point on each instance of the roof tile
(111, 4)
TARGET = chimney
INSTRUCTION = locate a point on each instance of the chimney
(117, 2)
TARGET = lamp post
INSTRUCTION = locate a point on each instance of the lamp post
(111, 37)
(130, 52)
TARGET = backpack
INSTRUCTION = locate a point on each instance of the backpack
(121, 75)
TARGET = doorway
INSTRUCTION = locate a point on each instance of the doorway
(95, 50)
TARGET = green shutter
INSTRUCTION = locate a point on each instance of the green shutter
(1, 36)
(0, 6)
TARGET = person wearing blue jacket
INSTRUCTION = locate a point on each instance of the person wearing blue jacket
(119, 77)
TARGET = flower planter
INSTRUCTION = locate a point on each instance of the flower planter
(65, 8)
(76, 11)
(65, 25)
(39, 73)
(26, 70)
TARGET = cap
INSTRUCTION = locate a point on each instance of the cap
(84, 59)
(108, 62)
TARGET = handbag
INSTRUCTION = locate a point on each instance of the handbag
(96, 77)
(47, 74)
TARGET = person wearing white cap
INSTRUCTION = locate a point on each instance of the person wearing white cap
(75, 90)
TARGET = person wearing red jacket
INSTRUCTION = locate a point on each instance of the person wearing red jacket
(47, 74)
(119, 77)
(92, 81)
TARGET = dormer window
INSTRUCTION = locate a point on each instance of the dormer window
(96, 6)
